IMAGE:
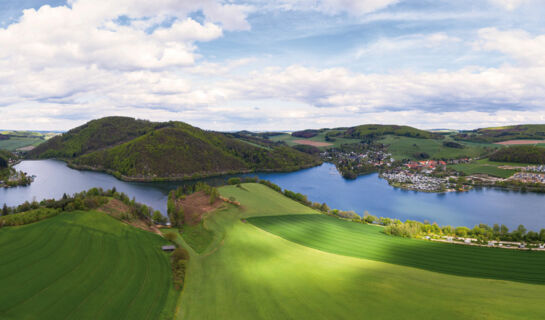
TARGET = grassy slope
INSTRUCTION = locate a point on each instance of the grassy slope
(365, 241)
(404, 148)
(83, 265)
(251, 274)
(289, 139)
(476, 168)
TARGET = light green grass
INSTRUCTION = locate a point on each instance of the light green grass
(407, 148)
(16, 143)
(320, 137)
(83, 265)
(366, 241)
(248, 273)
(475, 168)
(197, 236)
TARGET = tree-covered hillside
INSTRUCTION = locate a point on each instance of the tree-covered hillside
(376, 130)
(138, 149)
(94, 135)
(520, 154)
(497, 134)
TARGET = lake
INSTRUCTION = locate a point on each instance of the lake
(320, 184)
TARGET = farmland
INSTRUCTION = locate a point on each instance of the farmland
(13, 140)
(250, 273)
(489, 169)
(407, 148)
(320, 137)
(367, 241)
(83, 265)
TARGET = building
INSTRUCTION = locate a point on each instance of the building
(168, 248)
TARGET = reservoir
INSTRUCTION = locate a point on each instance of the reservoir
(320, 184)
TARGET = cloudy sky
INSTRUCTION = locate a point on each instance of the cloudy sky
(272, 65)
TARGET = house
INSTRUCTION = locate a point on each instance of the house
(490, 243)
(168, 248)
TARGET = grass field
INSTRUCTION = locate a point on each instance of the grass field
(248, 273)
(476, 168)
(20, 139)
(290, 140)
(83, 265)
(407, 148)
(366, 241)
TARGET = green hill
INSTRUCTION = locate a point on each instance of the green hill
(497, 134)
(377, 130)
(94, 135)
(253, 273)
(520, 154)
(142, 150)
(84, 265)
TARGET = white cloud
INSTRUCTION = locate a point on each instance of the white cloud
(509, 4)
(351, 7)
(527, 50)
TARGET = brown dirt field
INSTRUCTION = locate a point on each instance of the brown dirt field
(514, 142)
(196, 205)
(115, 208)
(313, 143)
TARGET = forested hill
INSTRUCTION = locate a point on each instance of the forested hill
(143, 150)
(92, 136)
(497, 134)
(520, 154)
(377, 130)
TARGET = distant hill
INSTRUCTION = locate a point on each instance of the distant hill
(520, 154)
(144, 150)
(377, 130)
(498, 134)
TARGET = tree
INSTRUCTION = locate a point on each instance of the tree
(504, 230)
(521, 230)
(158, 217)
(5, 210)
(542, 234)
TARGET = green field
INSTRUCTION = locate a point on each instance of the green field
(475, 168)
(249, 273)
(320, 137)
(407, 148)
(83, 265)
(367, 241)
(20, 139)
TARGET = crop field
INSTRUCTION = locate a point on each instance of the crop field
(407, 148)
(21, 139)
(366, 241)
(249, 273)
(476, 168)
(291, 141)
(83, 265)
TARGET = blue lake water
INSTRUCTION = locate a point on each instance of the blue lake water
(320, 184)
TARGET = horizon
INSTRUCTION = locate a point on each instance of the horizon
(262, 65)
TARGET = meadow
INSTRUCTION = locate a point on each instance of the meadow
(476, 168)
(249, 273)
(320, 137)
(407, 148)
(84, 265)
(347, 238)
(21, 139)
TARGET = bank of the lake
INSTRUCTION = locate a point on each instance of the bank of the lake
(320, 184)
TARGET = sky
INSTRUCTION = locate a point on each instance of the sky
(272, 65)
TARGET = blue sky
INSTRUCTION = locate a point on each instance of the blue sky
(273, 65)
